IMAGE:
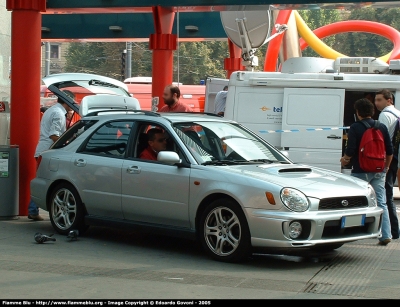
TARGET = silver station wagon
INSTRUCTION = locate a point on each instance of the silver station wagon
(216, 182)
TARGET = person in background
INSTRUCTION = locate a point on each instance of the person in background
(388, 116)
(52, 125)
(157, 142)
(69, 119)
(70, 114)
(220, 101)
(171, 96)
(365, 109)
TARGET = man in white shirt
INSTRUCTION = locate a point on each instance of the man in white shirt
(384, 102)
(220, 101)
(52, 125)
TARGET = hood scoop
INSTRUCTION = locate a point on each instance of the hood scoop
(295, 170)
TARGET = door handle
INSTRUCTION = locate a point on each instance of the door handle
(80, 162)
(335, 137)
(133, 169)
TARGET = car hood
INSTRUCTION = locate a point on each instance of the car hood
(312, 181)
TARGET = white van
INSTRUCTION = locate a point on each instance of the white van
(307, 113)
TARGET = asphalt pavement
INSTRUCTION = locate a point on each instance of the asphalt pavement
(111, 264)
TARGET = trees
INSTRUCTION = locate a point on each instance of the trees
(195, 61)
(316, 19)
(354, 43)
(96, 58)
(367, 44)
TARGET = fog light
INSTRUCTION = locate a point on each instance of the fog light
(295, 230)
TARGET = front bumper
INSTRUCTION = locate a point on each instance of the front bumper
(271, 229)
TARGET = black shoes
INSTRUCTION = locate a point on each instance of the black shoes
(384, 242)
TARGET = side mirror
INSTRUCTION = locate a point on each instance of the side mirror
(169, 157)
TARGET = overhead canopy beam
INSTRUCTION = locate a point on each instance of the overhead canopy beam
(80, 20)
(132, 27)
(129, 6)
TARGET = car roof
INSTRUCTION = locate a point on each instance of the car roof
(191, 116)
(104, 102)
(170, 116)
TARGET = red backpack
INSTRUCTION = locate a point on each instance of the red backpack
(372, 152)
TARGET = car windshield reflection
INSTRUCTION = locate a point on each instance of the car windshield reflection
(221, 143)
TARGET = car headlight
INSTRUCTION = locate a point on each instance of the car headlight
(294, 200)
(372, 196)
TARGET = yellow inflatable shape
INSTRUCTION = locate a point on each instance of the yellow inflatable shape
(318, 45)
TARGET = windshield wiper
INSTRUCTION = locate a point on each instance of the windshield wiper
(264, 160)
(221, 162)
(270, 161)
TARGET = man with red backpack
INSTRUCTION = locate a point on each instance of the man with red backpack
(359, 154)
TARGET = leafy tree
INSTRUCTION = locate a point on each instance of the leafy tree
(98, 58)
(141, 60)
(316, 19)
(195, 61)
(368, 44)
(105, 59)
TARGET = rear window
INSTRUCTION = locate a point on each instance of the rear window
(73, 133)
(111, 139)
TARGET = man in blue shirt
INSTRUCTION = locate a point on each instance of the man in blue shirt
(384, 102)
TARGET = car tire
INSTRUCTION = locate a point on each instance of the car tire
(66, 209)
(224, 233)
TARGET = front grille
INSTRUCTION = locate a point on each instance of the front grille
(339, 203)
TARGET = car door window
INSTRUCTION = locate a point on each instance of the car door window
(111, 139)
(142, 140)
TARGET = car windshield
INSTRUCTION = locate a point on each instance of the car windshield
(226, 143)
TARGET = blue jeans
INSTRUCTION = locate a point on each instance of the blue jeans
(390, 180)
(33, 209)
(377, 181)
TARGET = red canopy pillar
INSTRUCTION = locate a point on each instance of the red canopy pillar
(234, 62)
(163, 44)
(26, 24)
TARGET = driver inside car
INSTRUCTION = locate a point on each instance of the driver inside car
(157, 141)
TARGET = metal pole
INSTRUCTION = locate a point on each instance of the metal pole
(128, 63)
(47, 59)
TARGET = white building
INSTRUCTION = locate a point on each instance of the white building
(5, 70)
(5, 52)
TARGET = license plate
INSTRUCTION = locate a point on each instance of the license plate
(353, 220)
